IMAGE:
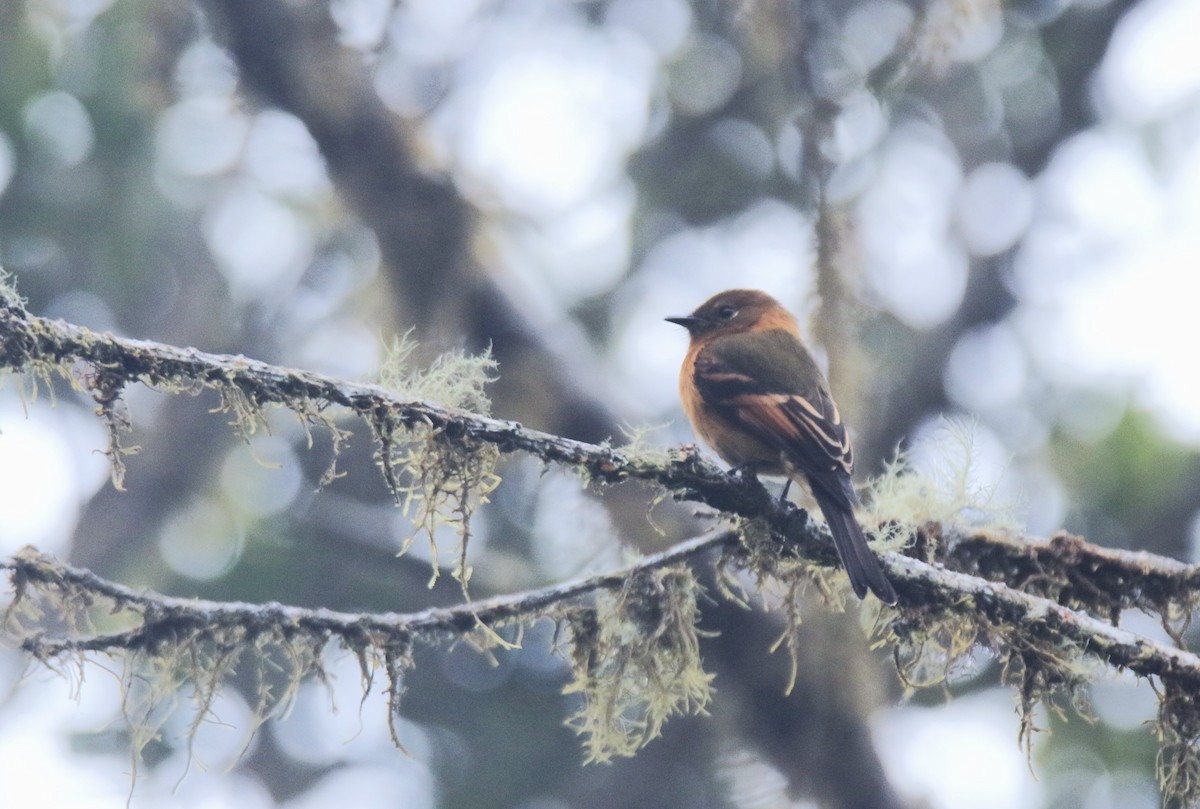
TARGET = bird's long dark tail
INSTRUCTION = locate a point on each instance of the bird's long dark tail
(861, 564)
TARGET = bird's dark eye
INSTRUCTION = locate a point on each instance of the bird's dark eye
(727, 313)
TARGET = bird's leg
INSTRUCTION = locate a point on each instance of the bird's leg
(745, 473)
(783, 495)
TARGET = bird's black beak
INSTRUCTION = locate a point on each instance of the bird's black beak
(688, 322)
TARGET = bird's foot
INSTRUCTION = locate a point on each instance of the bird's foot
(744, 473)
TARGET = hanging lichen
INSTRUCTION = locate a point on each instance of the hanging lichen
(437, 479)
(636, 662)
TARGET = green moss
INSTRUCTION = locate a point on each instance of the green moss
(437, 479)
(636, 662)
(948, 492)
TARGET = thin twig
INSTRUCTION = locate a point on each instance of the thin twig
(159, 611)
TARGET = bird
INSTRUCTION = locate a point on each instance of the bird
(756, 396)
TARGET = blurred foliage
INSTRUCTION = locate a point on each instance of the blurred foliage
(1135, 488)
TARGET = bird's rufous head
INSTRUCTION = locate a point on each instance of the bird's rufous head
(734, 311)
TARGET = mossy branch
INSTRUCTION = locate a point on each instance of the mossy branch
(938, 592)
(1101, 580)
(1034, 602)
(162, 616)
(1046, 646)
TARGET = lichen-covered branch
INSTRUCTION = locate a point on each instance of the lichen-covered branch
(1047, 608)
(1041, 621)
(1070, 570)
(629, 689)
(161, 614)
(1046, 646)
(1067, 569)
(939, 591)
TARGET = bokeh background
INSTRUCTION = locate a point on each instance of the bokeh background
(1014, 193)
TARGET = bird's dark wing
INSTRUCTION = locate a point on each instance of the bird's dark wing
(770, 385)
